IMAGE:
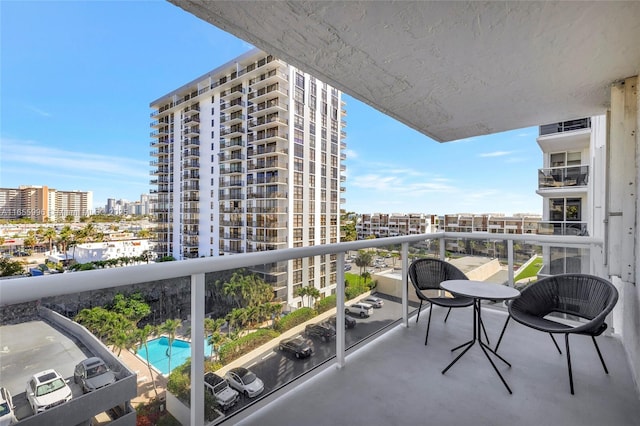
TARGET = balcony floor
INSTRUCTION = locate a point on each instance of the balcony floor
(396, 380)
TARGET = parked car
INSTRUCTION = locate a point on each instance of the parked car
(376, 302)
(92, 374)
(322, 330)
(47, 389)
(7, 415)
(347, 267)
(298, 346)
(218, 387)
(244, 381)
(361, 309)
(349, 322)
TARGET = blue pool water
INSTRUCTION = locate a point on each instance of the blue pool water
(159, 353)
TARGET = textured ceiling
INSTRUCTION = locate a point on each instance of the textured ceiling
(450, 70)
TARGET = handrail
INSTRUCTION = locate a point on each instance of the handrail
(20, 290)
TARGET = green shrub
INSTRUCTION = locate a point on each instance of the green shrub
(325, 304)
(236, 348)
(294, 318)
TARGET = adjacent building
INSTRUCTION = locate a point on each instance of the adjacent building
(572, 186)
(247, 158)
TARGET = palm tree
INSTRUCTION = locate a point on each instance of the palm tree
(170, 327)
(211, 328)
(65, 238)
(50, 234)
(31, 240)
(142, 335)
(363, 259)
(309, 291)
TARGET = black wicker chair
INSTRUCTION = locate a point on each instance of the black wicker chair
(583, 296)
(427, 274)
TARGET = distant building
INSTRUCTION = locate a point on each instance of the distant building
(383, 225)
(91, 252)
(42, 204)
(493, 223)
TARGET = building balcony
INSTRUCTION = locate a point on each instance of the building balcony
(565, 126)
(269, 165)
(268, 78)
(563, 177)
(231, 119)
(191, 110)
(231, 142)
(232, 106)
(387, 351)
(234, 156)
(261, 123)
(263, 150)
(272, 105)
(268, 180)
(562, 228)
(191, 142)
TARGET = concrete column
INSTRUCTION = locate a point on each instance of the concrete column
(197, 349)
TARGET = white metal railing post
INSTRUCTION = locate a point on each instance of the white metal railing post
(340, 331)
(443, 251)
(197, 349)
(405, 289)
(510, 261)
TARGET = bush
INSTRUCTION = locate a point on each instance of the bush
(236, 348)
(294, 318)
(325, 304)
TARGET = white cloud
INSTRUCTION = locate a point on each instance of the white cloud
(350, 153)
(32, 155)
(38, 111)
(496, 154)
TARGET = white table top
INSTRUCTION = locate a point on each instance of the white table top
(480, 289)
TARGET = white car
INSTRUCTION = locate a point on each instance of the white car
(244, 381)
(218, 387)
(7, 415)
(47, 389)
(376, 302)
(361, 309)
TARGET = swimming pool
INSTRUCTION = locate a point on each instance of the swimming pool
(159, 353)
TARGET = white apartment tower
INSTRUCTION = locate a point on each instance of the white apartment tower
(247, 158)
(572, 185)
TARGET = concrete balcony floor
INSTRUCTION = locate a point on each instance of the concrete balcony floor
(396, 380)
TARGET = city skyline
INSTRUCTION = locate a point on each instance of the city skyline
(76, 93)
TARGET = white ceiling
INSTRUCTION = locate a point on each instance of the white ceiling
(450, 70)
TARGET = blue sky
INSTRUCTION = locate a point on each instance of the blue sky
(76, 80)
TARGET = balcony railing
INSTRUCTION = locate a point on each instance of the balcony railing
(557, 177)
(506, 247)
(565, 126)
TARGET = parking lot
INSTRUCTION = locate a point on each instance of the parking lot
(31, 347)
(276, 368)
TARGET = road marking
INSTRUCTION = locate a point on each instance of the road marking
(252, 364)
(268, 355)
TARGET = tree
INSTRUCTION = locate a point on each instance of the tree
(363, 259)
(50, 234)
(309, 291)
(10, 267)
(134, 308)
(30, 240)
(65, 238)
(144, 233)
(211, 328)
(395, 256)
(170, 327)
(142, 335)
(348, 227)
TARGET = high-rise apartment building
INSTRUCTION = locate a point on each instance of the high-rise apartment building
(41, 203)
(247, 158)
(572, 186)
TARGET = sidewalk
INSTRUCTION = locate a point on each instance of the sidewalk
(145, 386)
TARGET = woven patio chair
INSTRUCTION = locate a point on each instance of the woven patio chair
(579, 296)
(427, 274)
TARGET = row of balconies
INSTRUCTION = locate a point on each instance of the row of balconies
(262, 150)
(272, 164)
(269, 106)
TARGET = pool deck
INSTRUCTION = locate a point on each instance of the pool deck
(145, 385)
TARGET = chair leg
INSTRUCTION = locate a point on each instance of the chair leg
(418, 317)
(502, 333)
(566, 341)
(428, 324)
(555, 343)
(448, 312)
(600, 355)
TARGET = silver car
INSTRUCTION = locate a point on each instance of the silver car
(244, 381)
(93, 374)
